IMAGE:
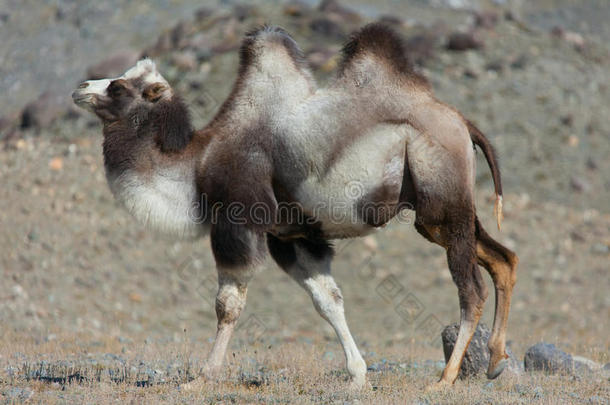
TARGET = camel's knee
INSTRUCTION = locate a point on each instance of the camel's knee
(504, 271)
(326, 296)
(230, 301)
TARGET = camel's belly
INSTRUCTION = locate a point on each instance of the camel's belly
(354, 194)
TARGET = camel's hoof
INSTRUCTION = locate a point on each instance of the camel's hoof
(491, 374)
(438, 386)
(359, 384)
(193, 386)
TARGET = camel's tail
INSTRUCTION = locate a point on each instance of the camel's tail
(482, 142)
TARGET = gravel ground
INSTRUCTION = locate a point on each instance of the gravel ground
(93, 305)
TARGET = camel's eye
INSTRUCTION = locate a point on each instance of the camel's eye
(153, 92)
(116, 87)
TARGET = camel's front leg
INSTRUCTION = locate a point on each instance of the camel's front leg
(230, 301)
(238, 252)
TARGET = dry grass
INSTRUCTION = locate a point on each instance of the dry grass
(261, 372)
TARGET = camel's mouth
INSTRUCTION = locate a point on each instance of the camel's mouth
(82, 99)
(86, 94)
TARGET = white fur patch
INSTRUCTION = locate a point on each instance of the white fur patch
(164, 201)
(365, 165)
(146, 70)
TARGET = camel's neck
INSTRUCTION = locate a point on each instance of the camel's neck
(158, 188)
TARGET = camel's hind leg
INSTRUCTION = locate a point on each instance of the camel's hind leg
(501, 263)
(458, 238)
(309, 264)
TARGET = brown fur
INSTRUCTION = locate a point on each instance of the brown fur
(490, 155)
(385, 44)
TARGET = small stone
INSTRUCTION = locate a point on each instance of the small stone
(546, 357)
(496, 66)
(572, 38)
(585, 365)
(203, 13)
(538, 393)
(56, 164)
(520, 62)
(567, 120)
(462, 41)
(370, 243)
(297, 9)
(33, 236)
(114, 65)
(579, 184)
(573, 141)
(486, 19)
(592, 164)
(135, 297)
(184, 61)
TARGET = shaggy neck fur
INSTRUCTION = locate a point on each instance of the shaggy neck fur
(150, 169)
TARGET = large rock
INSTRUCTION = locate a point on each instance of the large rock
(327, 27)
(476, 359)
(546, 357)
(342, 13)
(43, 111)
(462, 41)
(114, 65)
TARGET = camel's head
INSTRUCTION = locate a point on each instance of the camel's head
(137, 107)
(114, 99)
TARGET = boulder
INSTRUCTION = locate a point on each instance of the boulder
(43, 111)
(327, 27)
(297, 8)
(546, 357)
(335, 8)
(476, 359)
(462, 41)
(114, 65)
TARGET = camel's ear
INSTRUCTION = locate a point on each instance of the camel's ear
(154, 92)
(173, 124)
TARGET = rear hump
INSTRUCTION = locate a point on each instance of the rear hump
(383, 43)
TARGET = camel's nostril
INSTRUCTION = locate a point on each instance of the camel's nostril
(83, 85)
